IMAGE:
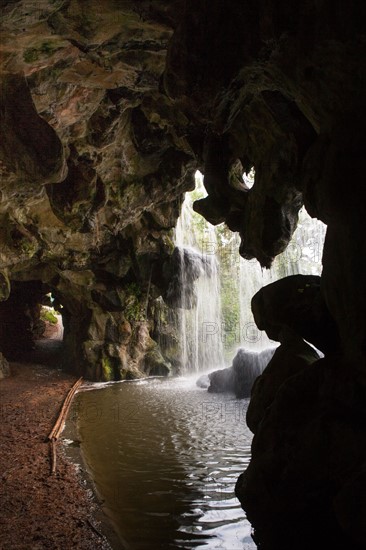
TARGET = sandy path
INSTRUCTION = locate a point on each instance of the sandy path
(39, 511)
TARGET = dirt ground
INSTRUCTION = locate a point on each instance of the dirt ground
(38, 510)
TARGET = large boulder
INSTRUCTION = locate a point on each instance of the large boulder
(222, 381)
(247, 366)
(240, 377)
(296, 303)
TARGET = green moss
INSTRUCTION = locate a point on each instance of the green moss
(46, 49)
(30, 55)
(134, 306)
(28, 247)
(169, 243)
(107, 369)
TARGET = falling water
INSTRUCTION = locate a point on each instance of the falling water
(201, 349)
(303, 255)
(222, 320)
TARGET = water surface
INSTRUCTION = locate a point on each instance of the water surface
(165, 456)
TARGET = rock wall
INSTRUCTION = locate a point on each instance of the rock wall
(93, 167)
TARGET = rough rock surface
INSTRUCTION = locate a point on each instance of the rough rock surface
(93, 166)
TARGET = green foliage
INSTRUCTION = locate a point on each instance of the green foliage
(134, 305)
(49, 314)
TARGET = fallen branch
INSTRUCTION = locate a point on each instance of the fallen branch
(53, 456)
(56, 430)
(59, 424)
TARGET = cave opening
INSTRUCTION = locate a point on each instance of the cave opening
(32, 324)
(217, 285)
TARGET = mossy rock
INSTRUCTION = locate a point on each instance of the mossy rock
(46, 49)
(155, 364)
(107, 369)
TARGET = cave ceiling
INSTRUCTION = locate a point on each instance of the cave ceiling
(107, 113)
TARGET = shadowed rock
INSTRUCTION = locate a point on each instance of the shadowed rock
(181, 271)
(296, 302)
(292, 356)
(240, 377)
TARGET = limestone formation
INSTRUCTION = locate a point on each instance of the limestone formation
(93, 163)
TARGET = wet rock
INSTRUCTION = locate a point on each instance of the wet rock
(203, 381)
(221, 381)
(240, 377)
(247, 366)
(181, 271)
(155, 364)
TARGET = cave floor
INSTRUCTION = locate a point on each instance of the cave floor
(39, 510)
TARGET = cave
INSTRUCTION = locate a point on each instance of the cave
(106, 116)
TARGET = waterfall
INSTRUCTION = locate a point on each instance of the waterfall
(201, 345)
(302, 255)
(221, 321)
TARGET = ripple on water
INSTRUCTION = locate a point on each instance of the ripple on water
(165, 457)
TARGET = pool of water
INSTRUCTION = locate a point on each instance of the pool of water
(165, 456)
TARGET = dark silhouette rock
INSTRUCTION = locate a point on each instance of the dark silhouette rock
(307, 453)
(290, 358)
(296, 303)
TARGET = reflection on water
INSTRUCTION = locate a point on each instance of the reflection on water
(165, 456)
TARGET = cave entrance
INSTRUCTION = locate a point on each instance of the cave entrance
(31, 326)
(50, 324)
